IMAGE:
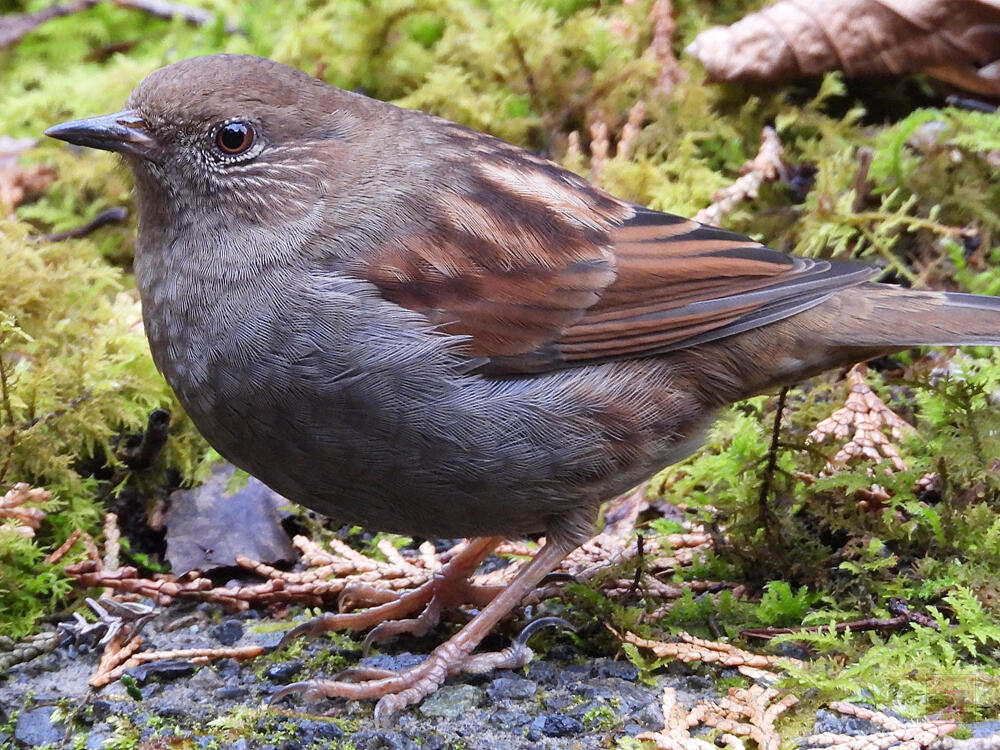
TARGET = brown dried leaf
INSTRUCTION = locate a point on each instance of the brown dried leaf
(957, 41)
(18, 183)
(200, 522)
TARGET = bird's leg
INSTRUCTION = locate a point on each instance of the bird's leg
(398, 690)
(446, 588)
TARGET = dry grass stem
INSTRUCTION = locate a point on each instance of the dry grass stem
(120, 665)
(112, 541)
(600, 146)
(630, 132)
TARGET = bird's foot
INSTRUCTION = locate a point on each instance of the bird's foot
(397, 690)
(415, 612)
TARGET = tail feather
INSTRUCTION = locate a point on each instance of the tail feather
(885, 315)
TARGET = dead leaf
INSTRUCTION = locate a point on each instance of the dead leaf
(957, 41)
(209, 528)
(18, 183)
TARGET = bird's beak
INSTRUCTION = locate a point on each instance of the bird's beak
(125, 132)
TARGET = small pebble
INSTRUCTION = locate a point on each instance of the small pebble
(557, 725)
(382, 739)
(227, 632)
(285, 672)
(623, 670)
(512, 688)
(451, 701)
(35, 727)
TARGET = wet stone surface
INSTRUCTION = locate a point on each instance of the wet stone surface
(566, 700)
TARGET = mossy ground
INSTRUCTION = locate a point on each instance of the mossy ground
(78, 374)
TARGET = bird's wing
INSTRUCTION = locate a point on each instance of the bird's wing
(542, 270)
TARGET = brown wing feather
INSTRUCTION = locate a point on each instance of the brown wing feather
(680, 283)
(542, 270)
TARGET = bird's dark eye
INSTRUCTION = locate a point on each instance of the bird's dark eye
(234, 138)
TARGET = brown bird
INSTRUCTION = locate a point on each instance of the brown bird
(416, 327)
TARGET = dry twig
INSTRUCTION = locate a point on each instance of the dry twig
(121, 660)
(689, 648)
(599, 145)
(105, 217)
(13, 505)
(340, 569)
(899, 735)
(766, 166)
(745, 712)
(902, 618)
(662, 17)
(14, 27)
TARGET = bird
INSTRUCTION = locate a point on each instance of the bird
(416, 327)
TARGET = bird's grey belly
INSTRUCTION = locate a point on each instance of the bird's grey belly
(511, 463)
(373, 421)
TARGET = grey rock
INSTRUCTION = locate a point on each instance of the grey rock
(699, 683)
(228, 632)
(557, 725)
(232, 693)
(100, 709)
(984, 728)
(571, 675)
(96, 738)
(511, 688)
(452, 701)
(542, 672)
(311, 730)
(623, 670)
(829, 721)
(558, 701)
(430, 741)
(510, 718)
(382, 739)
(649, 716)
(35, 727)
(285, 672)
(206, 678)
(394, 663)
(631, 695)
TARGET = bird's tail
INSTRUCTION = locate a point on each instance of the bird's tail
(853, 325)
(880, 315)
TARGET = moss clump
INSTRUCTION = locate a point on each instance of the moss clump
(75, 373)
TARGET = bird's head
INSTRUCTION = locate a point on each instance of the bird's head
(232, 131)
